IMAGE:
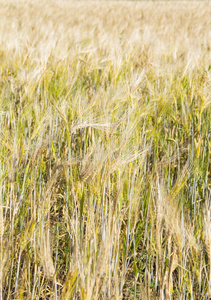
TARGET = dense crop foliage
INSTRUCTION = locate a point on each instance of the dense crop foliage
(105, 152)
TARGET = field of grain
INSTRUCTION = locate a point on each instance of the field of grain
(105, 152)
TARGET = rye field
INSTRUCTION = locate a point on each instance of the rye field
(105, 150)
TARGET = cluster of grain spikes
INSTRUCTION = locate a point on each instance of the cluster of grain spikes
(105, 128)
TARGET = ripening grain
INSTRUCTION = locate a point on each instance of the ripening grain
(105, 153)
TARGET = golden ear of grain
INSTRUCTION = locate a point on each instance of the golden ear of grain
(207, 227)
(46, 256)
